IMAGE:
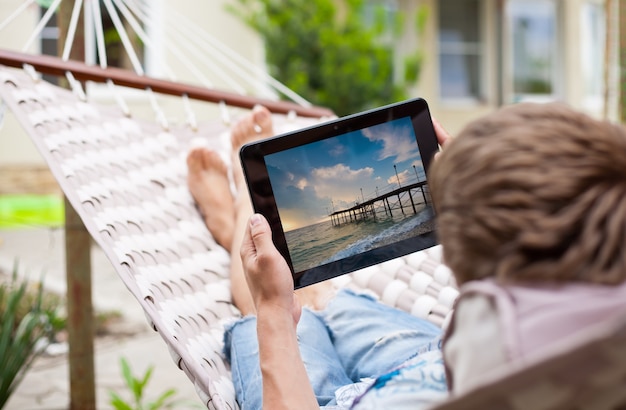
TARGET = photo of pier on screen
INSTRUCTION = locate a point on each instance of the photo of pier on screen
(355, 198)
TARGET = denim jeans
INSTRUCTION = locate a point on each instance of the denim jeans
(355, 337)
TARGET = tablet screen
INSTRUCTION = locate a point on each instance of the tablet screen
(349, 193)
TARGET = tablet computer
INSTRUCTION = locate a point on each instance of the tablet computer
(348, 193)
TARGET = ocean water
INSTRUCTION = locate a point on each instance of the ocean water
(322, 243)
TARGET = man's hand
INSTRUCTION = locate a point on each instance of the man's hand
(267, 273)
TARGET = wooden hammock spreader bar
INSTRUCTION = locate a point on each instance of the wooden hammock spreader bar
(83, 72)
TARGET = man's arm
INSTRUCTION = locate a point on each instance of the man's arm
(285, 381)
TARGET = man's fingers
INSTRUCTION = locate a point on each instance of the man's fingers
(442, 135)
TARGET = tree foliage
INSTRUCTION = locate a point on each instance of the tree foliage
(328, 52)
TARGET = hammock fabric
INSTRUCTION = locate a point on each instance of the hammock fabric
(126, 178)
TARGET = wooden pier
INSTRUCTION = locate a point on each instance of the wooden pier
(367, 209)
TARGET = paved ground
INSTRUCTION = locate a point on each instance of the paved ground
(46, 385)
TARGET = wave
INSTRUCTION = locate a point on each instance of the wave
(397, 231)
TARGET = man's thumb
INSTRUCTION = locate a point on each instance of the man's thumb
(260, 232)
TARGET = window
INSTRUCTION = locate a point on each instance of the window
(534, 48)
(460, 50)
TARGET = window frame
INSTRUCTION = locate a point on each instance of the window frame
(593, 99)
(466, 48)
(557, 80)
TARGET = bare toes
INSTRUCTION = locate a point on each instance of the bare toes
(255, 126)
(195, 160)
(211, 160)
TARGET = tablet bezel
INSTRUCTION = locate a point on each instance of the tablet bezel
(261, 194)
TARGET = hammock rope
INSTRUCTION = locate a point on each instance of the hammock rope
(71, 32)
(42, 23)
(234, 61)
(121, 31)
(100, 44)
(183, 39)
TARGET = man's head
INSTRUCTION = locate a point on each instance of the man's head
(534, 193)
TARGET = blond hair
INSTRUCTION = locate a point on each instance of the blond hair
(533, 192)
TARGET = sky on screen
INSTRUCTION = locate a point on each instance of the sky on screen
(311, 181)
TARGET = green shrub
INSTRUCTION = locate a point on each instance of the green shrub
(137, 386)
(27, 321)
(337, 54)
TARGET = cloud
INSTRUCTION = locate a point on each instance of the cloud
(337, 150)
(340, 182)
(342, 171)
(297, 198)
(302, 183)
(398, 140)
(404, 176)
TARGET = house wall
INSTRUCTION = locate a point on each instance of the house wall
(15, 146)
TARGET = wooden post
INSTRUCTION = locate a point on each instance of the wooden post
(78, 266)
(79, 312)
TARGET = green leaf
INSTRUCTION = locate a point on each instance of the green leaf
(421, 19)
(137, 386)
(160, 402)
(131, 381)
(141, 384)
(45, 3)
(412, 67)
(119, 403)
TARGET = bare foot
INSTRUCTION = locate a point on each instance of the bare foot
(253, 127)
(207, 179)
